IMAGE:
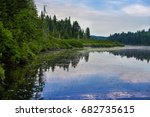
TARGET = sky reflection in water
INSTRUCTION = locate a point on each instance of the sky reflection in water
(104, 76)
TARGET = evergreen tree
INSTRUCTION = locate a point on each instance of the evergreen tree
(42, 16)
(87, 33)
(76, 30)
(7, 44)
(137, 38)
(21, 28)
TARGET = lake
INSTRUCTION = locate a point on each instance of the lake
(91, 74)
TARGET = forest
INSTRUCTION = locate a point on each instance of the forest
(24, 34)
(130, 38)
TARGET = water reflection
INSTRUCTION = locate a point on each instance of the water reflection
(139, 54)
(106, 75)
(28, 82)
(114, 74)
(18, 84)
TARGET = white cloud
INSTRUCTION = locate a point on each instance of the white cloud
(109, 19)
(136, 77)
(101, 66)
(137, 10)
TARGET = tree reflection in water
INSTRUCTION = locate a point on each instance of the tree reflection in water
(24, 83)
(138, 54)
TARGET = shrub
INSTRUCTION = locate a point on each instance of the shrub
(2, 73)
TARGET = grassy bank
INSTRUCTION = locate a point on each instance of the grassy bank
(56, 44)
(28, 51)
(100, 43)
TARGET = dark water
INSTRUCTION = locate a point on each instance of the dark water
(88, 75)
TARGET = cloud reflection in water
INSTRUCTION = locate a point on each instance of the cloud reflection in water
(104, 76)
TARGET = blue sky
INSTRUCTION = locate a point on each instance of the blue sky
(104, 17)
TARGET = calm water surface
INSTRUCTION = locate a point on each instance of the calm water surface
(118, 74)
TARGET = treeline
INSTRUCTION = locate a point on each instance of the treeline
(140, 55)
(63, 29)
(23, 34)
(130, 38)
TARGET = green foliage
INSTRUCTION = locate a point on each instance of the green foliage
(24, 54)
(138, 38)
(99, 43)
(87, 33)
(26, 22)
(76, 29)
(54, 44)
(23, 25)
(5, 38)
(75, 43)
(63, 29)
(23, 34)
(2, 73)
(7, 44)
(0, 56)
